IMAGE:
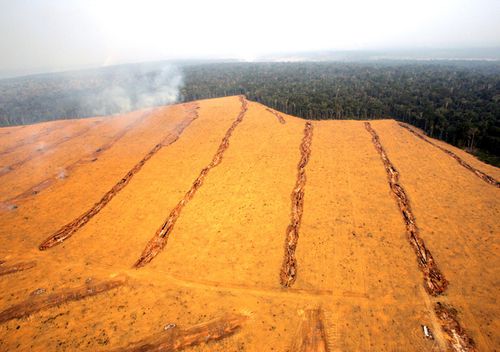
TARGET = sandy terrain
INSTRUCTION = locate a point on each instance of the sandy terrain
(214, 283)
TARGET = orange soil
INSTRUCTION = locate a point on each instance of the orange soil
(223, 257)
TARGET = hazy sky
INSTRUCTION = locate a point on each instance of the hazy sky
(62, 34)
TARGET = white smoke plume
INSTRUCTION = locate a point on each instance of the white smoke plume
(134, 88)
(105, 91)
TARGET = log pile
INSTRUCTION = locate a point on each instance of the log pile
(288, 273)
(159, 240)
(69, 229)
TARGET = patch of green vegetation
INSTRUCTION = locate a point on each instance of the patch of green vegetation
(487, 157)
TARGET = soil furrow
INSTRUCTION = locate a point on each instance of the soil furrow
(177, 339)
(434, 281)
(69, 229)
(312, 335)
(31, 139)
(159, 240)
(486, 178)
(288, 273)
(14, 268)
(457, 338)
(278, 115)
(37, 153)
(36, 303)
(92, 157)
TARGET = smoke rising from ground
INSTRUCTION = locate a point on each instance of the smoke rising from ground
(133, 89)
(105, 91)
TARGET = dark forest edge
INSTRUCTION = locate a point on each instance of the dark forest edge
(455, 101)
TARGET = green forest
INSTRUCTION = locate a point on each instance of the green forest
(458, 102)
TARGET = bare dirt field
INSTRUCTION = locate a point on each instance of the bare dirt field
(223, 225)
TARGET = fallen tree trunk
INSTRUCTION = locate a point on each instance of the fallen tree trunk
(176, 339)
(40, 302)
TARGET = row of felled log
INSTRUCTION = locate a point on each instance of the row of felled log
(288, 273)
(456, 336)
(176, 339)
(16, 267)
(69, 229)
(277, 114)
(435, 282)
(36, 303)
(40, 186)
(159, 240)
(487, 178)
(36, 153)
(31, 139)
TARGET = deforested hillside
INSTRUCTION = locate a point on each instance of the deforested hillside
(226, 225)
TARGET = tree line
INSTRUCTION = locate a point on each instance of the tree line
(456, 102)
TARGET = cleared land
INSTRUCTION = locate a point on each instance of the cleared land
(321, 199)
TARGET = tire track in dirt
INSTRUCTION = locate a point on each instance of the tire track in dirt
(31, 139)
(159, 240)
(435, 283)
(37, 153)
(288, 273)
(486, 178)
(264, 291)
(312, 335)
(36, 303)
(208, 285)
(332, 333)
(90, 158)
(177, 339)
(14, 268)
(69, 229)
(278, 115)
